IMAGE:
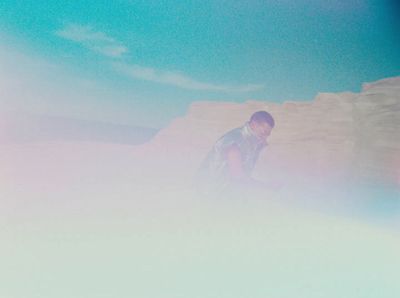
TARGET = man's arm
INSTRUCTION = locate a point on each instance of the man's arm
(236, 171)
(235, 163)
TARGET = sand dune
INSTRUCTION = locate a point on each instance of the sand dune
(76, 215)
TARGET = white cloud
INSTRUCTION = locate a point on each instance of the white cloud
(102, 43)
(94, 40)
(179, 79)
(111, 50)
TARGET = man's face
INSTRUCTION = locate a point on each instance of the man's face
(261, 129)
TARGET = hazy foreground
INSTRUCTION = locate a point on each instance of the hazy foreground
(84, 219)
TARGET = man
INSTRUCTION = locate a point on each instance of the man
(229, 165)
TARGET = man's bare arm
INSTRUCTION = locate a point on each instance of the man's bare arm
(236, 170)
(235, 163)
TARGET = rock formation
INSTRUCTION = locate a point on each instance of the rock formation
(353, 137)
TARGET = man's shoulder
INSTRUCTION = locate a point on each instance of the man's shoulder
(229, 139)
(232, 135)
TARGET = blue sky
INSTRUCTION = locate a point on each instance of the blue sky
(144, 62)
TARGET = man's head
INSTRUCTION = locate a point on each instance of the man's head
(261, 123)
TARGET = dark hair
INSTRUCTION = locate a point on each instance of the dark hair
(263, 116)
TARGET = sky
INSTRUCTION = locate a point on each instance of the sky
(144, 62)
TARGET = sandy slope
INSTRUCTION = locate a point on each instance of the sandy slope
(207, 250)
(82, 219)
